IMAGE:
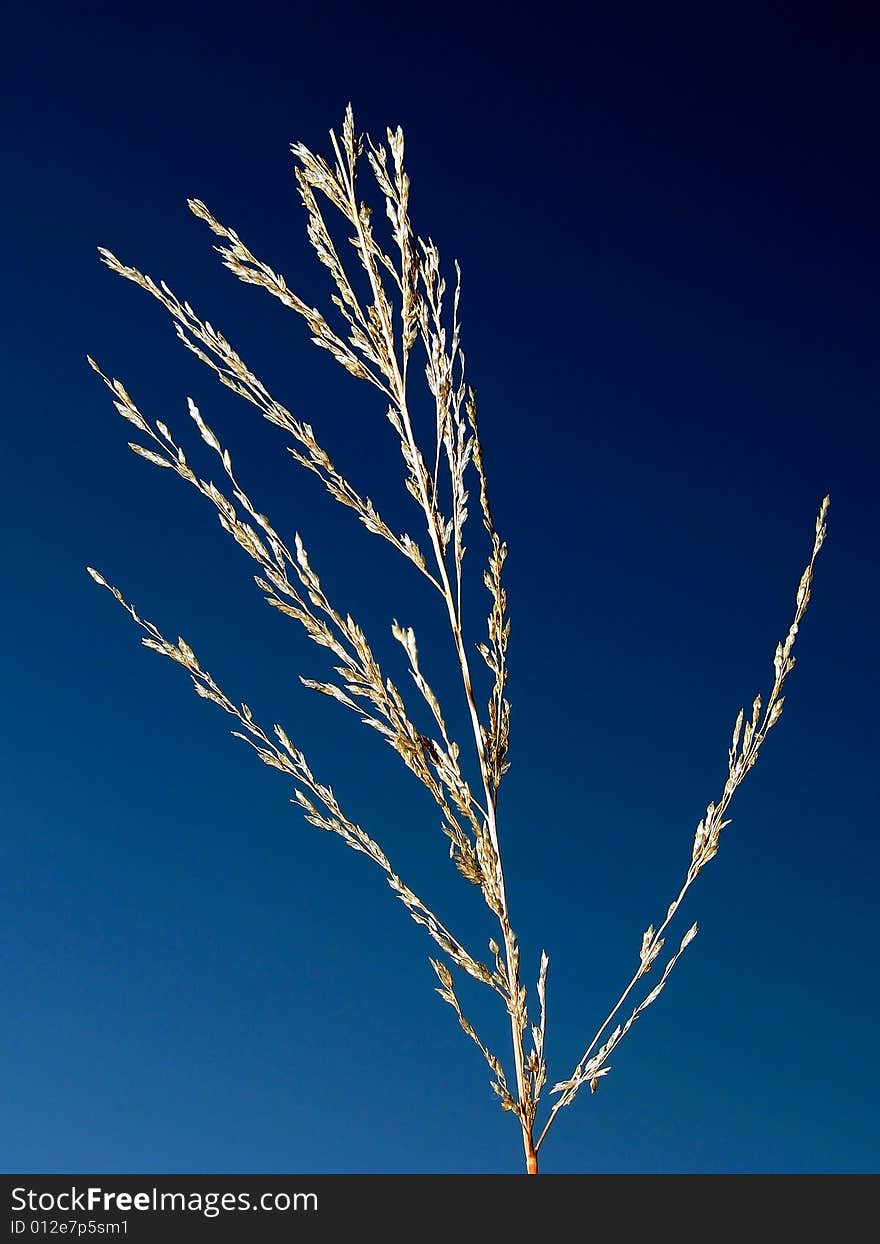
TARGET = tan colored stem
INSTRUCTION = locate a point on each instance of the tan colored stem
(399, 387)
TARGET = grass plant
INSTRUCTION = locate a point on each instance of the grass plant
(393, 324)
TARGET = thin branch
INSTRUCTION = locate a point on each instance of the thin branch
(287, 758)
(743, 752)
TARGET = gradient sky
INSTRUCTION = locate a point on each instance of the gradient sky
(667, 228)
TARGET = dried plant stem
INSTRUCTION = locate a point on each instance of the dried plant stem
(453, 607)
(511, 953)
(706, 839)
(562, 1101)
(406, 310)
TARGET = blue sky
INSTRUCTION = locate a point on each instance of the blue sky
(667, 229)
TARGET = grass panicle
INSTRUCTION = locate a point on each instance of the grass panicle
(393, 322)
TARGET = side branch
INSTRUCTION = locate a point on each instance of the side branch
(304, 600)
(287, 758)
(213, 349)
(743, 752)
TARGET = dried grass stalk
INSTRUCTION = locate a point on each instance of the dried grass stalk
(409, 311)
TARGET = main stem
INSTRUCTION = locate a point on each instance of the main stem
(398, 379)
(510, 952)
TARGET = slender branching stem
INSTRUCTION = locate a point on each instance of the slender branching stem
(452, 600)
(413, 303)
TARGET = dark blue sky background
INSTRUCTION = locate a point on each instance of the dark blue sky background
(666, 220)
